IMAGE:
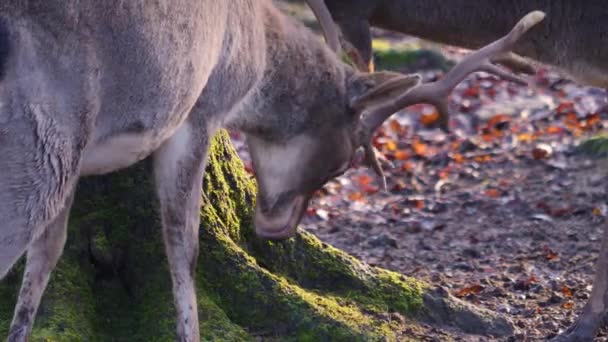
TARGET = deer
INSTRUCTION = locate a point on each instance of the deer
(91, 87)
(570, 40)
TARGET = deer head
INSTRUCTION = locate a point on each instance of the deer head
(290, 172)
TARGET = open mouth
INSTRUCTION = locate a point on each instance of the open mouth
(282, 226)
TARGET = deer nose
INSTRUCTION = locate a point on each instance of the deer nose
(281, 222)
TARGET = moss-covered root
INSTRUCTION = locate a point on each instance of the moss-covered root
(315, 265)
(277, 307)
(595, 147)
(66, 314)
(309, 264)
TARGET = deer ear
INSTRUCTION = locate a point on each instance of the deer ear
(368, 90)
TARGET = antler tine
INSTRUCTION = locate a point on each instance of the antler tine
(330, 31)
(436, 93)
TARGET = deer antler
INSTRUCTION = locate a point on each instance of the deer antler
(330, 31)
(436, 93)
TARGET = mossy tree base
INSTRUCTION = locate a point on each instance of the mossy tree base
(112, 283)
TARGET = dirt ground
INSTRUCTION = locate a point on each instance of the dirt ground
(503, 211)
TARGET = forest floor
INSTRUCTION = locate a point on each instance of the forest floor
(502, 211)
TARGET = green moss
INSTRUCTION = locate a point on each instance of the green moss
(316, 265)
(9, 286)
(595, 147)
(410, 60)
(67, 311)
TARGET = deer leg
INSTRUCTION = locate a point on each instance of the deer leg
(12, 246)
(42, 256)
(178, 167)
(589, 321)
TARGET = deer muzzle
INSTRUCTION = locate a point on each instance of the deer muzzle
(280, 220)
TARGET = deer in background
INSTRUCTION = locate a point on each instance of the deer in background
(90, 87)
(574, 39)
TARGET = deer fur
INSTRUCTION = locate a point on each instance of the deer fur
(573, 38)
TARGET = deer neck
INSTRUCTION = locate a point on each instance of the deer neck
(472, 24)
(303, 80)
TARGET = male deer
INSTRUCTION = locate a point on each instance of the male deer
(573, 39)
(89, 87)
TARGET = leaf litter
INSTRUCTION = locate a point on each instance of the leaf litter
(502, 211)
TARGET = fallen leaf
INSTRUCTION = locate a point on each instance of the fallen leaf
(402, 155)
(568, 305)
(429, 119)
(473, 289)
(494, 193)
(421, 149)
(355, 196)
(566, 291)
(458, 158)
(542, 151)
(554, 130)
(550, 254)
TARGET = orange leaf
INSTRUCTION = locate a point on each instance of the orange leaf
(497, 119)
(550, 254)
(488, 137)
(363, 180)
(416, 203)
(525, 137)
(483, 159)
(571, 120)
(554, 130)
(355, 196)
(391, 145)
(407, 166)
(593, 119)
(472, 91)
(419, 204)
(370, 189)
(445, 173)
(565, 107)
(494, 193)
(566, 291)
(429, 119)
(474, 289)
(568, 305)
(458, 158)
(395, 126)
(420, 148)
(402, 155)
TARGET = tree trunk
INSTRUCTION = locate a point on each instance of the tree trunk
(112, 282)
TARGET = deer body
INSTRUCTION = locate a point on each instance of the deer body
(573, 38)
(89, 87)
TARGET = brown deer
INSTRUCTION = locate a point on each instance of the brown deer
(89, 87)
(572, 39)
